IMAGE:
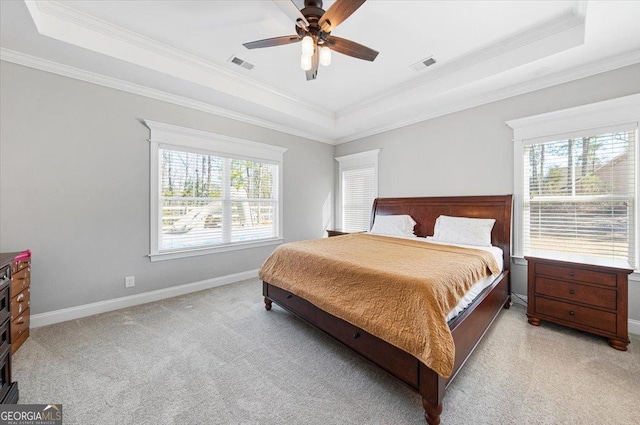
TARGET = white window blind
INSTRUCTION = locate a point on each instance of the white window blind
(208, 200)
(358, 193)
(358, 189)
(580, 195)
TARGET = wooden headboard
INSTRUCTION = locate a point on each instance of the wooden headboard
(425, 211)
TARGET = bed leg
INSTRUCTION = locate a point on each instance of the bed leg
(432, 412)
(267, 303)
(508, 303)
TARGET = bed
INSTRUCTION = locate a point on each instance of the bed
(466, 329)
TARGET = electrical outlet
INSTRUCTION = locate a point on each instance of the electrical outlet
(129, 282)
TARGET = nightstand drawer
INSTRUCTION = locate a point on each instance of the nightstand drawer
(586, 316)
(573, 273)
(575, 292)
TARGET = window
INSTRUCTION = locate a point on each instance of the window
(577, 190)
(211, 193)
(358, 189)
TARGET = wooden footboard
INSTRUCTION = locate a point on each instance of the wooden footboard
(431, 386)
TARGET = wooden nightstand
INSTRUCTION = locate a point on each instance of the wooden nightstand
(338, 232)
(584, 293)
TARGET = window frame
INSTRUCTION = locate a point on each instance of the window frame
(600, 117)
(352, 162)
(168, 136)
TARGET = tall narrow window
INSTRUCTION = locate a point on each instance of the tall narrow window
(576, 181)
(212, 192)
(358, 189)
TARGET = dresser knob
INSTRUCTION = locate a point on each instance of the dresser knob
(356, 335)
(572, 313)
(572, 274)
(571, 291)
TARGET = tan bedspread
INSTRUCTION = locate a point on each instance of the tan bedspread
(399, 290)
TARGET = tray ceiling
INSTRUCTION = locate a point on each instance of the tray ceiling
(180, 50)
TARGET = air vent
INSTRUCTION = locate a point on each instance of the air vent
(419, 66)
(240, 62)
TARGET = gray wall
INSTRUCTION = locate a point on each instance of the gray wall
(471, 152)
(74, 188)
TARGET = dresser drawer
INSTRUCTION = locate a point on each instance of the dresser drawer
(570, 291)
(4, 336)
(5, 373)
(5, 303)
(573, 273)
(20, 325)
(20, 303)
(579, 315)
(16, 266)
(20, 281)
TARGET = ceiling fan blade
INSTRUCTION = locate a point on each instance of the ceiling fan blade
(270, 42)
(338, 12)
(351, 48)
(313, 72)
(291, 10)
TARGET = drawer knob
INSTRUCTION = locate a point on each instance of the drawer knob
(572, 313)
(572, 274)
(572, 291)
(289, 296)
(356, 335)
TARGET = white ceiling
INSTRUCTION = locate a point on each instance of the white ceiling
(179, 51)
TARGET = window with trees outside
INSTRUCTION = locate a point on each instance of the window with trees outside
(576, 181)
(208, 199)
(580, 195)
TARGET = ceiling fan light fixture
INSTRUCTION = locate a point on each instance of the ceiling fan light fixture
(305, 62)
(307, 46)
(325, 56)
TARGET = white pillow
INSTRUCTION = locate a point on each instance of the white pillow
(393, 225)
(463, 230)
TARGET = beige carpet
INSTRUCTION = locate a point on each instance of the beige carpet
(217, 357)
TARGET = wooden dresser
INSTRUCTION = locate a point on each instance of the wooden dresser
(585, 293)
(20, 300)
(8, 389)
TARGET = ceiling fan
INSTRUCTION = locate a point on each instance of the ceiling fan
(313, 28)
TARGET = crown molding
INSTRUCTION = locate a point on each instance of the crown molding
(62, 22)
(593, 68)
(114, 83)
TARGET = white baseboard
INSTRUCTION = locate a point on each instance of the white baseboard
(85, 310)
(92, 309)
(634, 325)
